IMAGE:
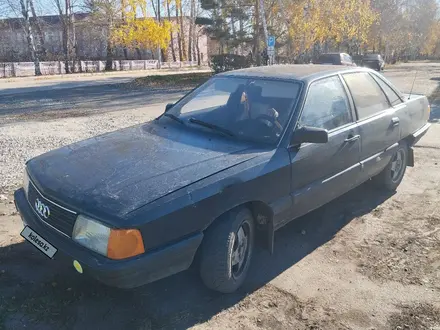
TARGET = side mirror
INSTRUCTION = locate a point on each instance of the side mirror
(169, 106)
(309, 134)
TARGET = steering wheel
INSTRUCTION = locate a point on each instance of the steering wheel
(273, 123)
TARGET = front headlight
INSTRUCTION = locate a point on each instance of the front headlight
(91, 234)
(112, 243)
(26, 182)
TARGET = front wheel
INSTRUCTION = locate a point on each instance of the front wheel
(391, 177)
(227, 251)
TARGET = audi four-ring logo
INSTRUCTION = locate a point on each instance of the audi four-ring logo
(42, 209)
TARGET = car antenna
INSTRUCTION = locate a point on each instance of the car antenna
(412, 87)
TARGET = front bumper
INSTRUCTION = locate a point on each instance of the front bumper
(130, 273)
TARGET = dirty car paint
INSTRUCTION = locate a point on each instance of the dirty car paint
(119, 172)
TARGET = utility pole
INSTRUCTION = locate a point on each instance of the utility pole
(158, 47)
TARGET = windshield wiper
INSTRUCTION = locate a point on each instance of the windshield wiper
(211, 126)
(174, 117)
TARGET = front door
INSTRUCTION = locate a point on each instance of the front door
(322, 172)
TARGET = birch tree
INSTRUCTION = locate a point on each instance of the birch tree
(38, 30)
(29, 33)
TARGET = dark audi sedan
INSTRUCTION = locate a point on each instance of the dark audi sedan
(218, 173)
(373, 61)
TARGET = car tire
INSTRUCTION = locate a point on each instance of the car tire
(227, 250)
(392, 175)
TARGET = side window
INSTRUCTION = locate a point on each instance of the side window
(367, 95)
(326, 105)
(393, 97)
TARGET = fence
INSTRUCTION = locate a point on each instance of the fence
(26, 69)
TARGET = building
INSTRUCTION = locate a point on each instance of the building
(91, 41)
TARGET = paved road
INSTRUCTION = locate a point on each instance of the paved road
(12, 86)
(105, 91)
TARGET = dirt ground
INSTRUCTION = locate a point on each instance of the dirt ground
(367, 260)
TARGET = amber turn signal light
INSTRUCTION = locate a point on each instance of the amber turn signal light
(124, 243)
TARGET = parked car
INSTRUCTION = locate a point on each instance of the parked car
(220, 171)
(357, 59)
(373, 61)
(335, 59)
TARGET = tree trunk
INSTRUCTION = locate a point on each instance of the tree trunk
(266, 36)
(195, 39)
(29, 36)
(199, 62)
(257, 33)
(182, 31)
(124, 7)
(42, 48)
(154, 7)
(139, 54)
(65, 32)
(109, 57)
(179, 36)
(173, 51)
(241, 32)
(74, 42)
(109, 51)
(191, 39)
(66, 47)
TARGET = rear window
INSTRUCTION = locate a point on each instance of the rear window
(367, 95)
(393, 97)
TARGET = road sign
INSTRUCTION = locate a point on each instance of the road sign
(271, 42)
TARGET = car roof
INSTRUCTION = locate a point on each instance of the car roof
(302, 72)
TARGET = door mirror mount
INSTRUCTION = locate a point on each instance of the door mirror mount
(168, 106)
(309, 135)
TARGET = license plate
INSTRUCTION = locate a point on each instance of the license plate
(39, 242)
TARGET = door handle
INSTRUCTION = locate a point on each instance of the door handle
(395, 121)
(352, 138)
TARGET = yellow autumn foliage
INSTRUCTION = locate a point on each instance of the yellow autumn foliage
(314, 21)
(431, 45)
(140, 32)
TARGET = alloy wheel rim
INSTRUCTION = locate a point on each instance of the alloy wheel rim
(240, 250)
(397, 165)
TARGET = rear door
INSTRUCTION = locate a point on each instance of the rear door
(378, 121)
(322, 172)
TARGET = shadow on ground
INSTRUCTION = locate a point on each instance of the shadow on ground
(44, 294)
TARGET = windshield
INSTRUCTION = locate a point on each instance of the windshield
(250, 109)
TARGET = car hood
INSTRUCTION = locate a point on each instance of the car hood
(121, 171)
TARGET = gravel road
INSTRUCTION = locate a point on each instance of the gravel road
(365, 261)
